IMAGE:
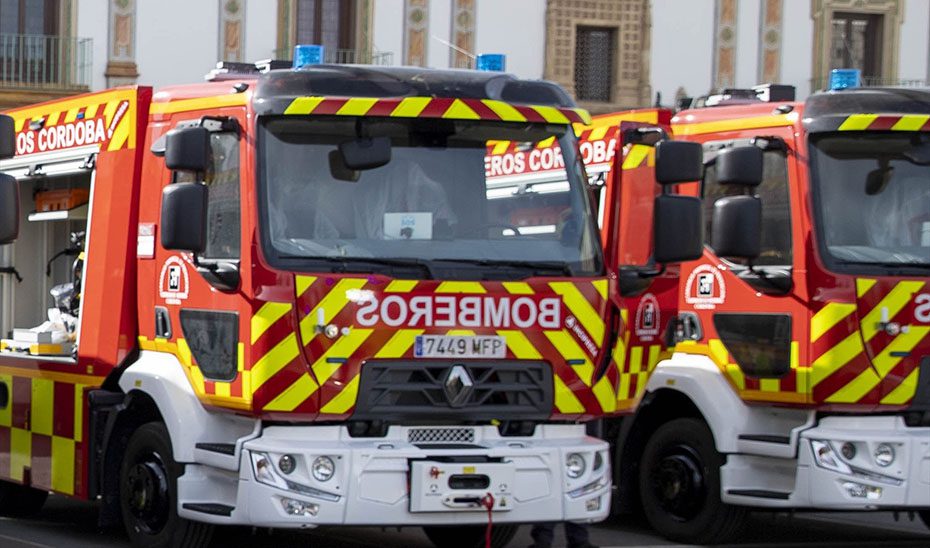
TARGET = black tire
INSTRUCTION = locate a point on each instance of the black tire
(148, 494)
(679, 485)
(19, 501)
(925, 517)
(470, 536)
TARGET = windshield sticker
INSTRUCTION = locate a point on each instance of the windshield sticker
(174, 283)
(648, 318)
(705, 288)
(408, 226)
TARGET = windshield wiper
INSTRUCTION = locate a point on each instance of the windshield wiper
(344, 261)
(536, 266)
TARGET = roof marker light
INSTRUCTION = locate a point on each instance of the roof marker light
(845, 79)
(492, 62)
(307, 54)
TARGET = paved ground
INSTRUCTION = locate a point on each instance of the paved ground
(71, 524)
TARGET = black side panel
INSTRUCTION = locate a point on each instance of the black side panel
(921, 401)
(212, 337)
(760, 343)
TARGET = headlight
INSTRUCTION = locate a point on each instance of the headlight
(884, 455)
(827, 458)
(264, 470)
(574, 465)
(848, 450)
(323, 468)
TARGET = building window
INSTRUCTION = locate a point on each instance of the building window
(595, 58)
(857, 43)
(33, 17)
(329, 23)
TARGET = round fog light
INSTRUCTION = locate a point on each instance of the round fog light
(323, 468)
(884, 455)
(574, 465)
(287, 464)
(848, 450)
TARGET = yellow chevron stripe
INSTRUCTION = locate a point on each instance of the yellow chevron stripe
(52, 119)
(411, 107)
(63, 465)
(737, 375)
(20, 452)
(342, 348)
(604, 393)
(719, 352)
(91, 111)
(552, 115)
(884, 362)
(581, 308)
(601, 287)
(584, 115)
(545, 143)
(303, 105)
(636, 359)
(894, 301)
(654, 353)
(623, 392)
(635, 157)
(274, 361)
(911, 122)
(401, 286)
(266, 316)
(19, 124)
(904, 391)
(43, 399)
(499, 147)
(461, 287)
(122, 132)
(293, 395)
(303, 283)
(460, 111)
(331, 304)
(518, 288)
(519, 345)
(800, 374)
(571, 350)
(598, 133)
(505, 112)
(6, 412)
(399, 343)
(356, 106)
(863, 285)
(71, 115)
(835, 358)
(619, 352)
(344, 401)
(109, 111)
(857, 122)
(855, 389)
(828, 316)
(565, 400)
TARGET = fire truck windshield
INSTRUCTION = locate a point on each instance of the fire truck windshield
(872, 199)
(433, 205)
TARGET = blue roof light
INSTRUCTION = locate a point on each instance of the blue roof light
(845, 78)
(307, 54)
(495, 62)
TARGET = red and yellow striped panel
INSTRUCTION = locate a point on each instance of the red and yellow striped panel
(42, 429)
(439, 107)
(885, 122)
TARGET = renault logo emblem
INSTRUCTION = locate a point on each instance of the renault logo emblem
(458, 386)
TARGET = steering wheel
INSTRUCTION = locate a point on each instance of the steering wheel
(485, 227)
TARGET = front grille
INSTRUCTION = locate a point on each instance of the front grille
(441, 435)
(444, 390)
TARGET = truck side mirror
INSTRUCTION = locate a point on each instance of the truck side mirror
(184, 217)
(678, 162)
(188, 149)
(740, 166)
(9, 209)
(678, 228)
(736, 230)
(7, 137)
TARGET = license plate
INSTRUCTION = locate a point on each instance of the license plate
(459, 346)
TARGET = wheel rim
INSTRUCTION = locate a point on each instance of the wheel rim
(147, 491)
(678, 482)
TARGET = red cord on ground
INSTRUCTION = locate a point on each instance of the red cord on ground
(488, 502)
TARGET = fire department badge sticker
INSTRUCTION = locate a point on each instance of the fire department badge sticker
(705, 288)
(173, 285)
(648, 318)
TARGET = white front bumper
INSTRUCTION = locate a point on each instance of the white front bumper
(903, 484)
(371, 483)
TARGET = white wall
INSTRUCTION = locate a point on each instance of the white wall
(261, 30)
(682, 47)
(797, 47)
(914, 63)
(748, 22)
(388, 28)
(176, 40)
(92, 22)
(440, 30)
(516, 28)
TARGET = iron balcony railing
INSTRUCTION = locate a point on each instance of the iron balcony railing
(346, 56)
(40, 61)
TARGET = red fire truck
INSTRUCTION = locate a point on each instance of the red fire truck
(298, 299)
